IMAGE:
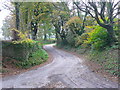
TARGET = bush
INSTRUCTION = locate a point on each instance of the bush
(19, 50)
(97, 38)
(27, 52)
(80, 40)
(35, 58)
(70, 38)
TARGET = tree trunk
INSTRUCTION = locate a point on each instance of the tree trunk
(34, 36)
(15, 34)
(111, 35)
(34, 29)
(45, 37)
(57, 36)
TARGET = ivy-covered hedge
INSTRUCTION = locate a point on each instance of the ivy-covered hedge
(19, 50)
(35, 58)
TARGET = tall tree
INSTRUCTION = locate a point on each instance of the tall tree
(59, 18)
(17, 13)
(104, 13)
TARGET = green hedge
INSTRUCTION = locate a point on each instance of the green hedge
(19, 51)
(35, 58)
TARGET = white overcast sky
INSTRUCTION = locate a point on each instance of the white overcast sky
(3, 14)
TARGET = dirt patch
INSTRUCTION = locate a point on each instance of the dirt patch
(10, 69)
(94, 67)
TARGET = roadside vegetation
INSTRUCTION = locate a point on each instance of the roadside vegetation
(107, 58)
(22, 54)
(90, 28)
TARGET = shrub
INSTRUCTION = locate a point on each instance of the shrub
(19, 50)
(80, 40)
(27, 52)
(35, 58)
(97, 38)
(70, 38)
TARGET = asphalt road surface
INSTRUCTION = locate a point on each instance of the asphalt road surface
(65, 71)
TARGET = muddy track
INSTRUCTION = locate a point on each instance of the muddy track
(65, 71)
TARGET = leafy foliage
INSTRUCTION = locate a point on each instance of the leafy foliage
(97, 38)
(72, 27)
(35, 58)
(80, 40)
(71, 38)
(75, 20)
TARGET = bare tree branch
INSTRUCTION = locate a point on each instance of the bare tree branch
(116, 14)
(84, 10)
(116, 4)
(8, 7)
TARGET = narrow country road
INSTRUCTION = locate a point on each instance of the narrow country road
(65, 71)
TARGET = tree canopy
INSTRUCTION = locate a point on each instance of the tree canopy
(45, 19)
